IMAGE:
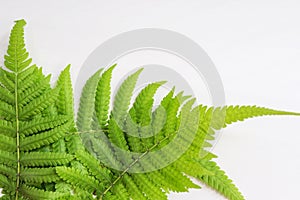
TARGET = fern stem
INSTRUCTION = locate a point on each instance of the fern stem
(133, 163)
(18, 137)
(89, 131)
(17, 121)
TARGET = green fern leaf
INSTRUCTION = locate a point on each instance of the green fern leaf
(144, 102)
(65, 98)
(28, 121)
(42, 156)
(174, 120)
(40, 159)
(219, 181)
(39, 175)
(16, 59)
(240, 113)
(103, 97)
(123, 97)
(140, 116)
(87, 103)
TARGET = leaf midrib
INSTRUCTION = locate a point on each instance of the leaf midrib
(17, 120)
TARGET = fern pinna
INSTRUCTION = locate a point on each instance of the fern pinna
(110, 135)
(127, 151)
(29, 125)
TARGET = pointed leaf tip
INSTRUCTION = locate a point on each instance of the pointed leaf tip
(161, 82)
(139, 70)
(21, 22)
(113, 66)
(137, 73)
(68, 67)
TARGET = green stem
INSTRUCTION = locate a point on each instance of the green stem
(132, 164)
(17, 121)
(18, 137)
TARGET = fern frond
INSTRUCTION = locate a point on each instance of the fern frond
(123, 97)
(216, 118)
(87, 103)
(145, 98)
(17, 57)
(175, 120)
(240, 113)
(140, 116)
(65, 104)
(28, 121)
(42, 156)
(144, 102)
(171, 111)
(219, 181)
(103, 97)
(65, 98)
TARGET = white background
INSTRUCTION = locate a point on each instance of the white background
(255, 46)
